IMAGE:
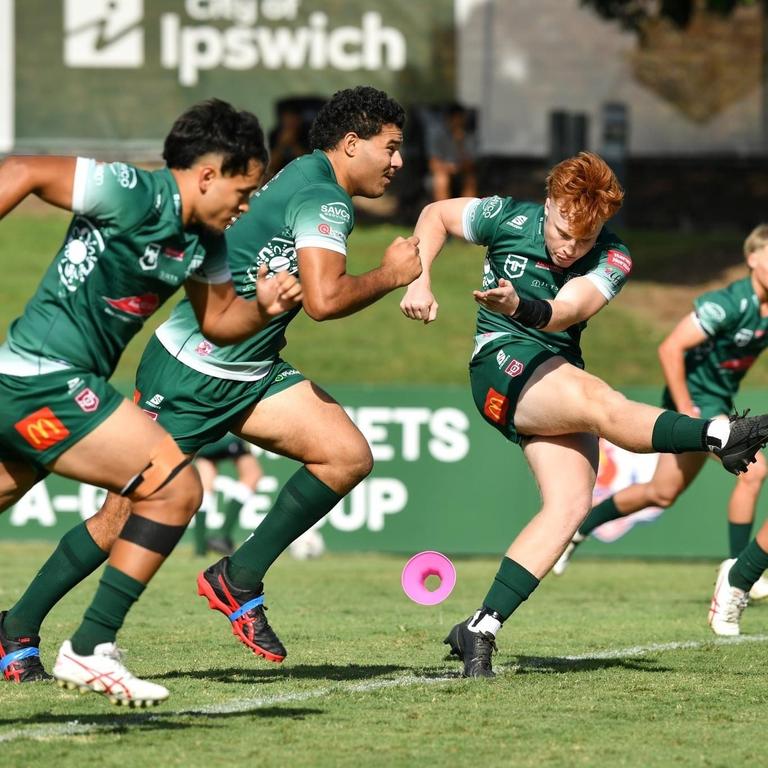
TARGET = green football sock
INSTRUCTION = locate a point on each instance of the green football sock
(599, 514)
(200, 532)
(76, 556)
(303, 501)
(675, 433)
(738, 537)
(749, 566)
(512, 585)
(116, 594)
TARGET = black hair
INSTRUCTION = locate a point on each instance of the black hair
(216, 126)
(362, 110)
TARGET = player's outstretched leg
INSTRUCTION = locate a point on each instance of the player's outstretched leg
(747, 435)
(473, 645)
(20, 657)
(103, 672)
(244, 609)
(728, 603)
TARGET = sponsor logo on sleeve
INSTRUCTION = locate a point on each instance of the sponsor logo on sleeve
(335, 213)
(88, 400)
(491, 207)
(42, 429)
(496, 406)
(711, 313)
(619, 260)
(324, 229)
(125, 174)
(136, 306)
(81, 252)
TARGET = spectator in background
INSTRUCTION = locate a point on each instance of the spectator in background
(289, 139)
(452, 148)
(249, 473)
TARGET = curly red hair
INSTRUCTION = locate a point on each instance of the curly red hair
(586, 191)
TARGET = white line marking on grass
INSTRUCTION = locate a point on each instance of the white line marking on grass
(76, 728)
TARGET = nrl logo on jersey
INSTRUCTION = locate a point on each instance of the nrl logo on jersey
(151, 255)
(743, 336)
(514, 266)
(81, 252)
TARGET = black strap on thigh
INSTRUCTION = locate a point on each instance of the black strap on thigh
(157, 537)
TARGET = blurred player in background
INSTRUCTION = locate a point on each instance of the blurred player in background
(704, 360)
(136, 237)
(548, 269)
(297, 224)
(249, 473)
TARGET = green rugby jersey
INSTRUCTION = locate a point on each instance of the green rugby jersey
(737, 334)
(513, 231)
(125, 252)
(302, 206)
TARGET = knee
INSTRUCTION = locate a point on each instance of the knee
(755, 475)
(181, 497)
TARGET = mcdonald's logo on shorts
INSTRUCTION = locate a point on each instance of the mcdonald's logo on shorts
(42, 429)
(496, 406)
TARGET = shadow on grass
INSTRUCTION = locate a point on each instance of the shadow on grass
(275, 673)
(557, 664)
(112, 722)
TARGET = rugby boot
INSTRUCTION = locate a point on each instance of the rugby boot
(728, 603)
(473, 648)
(104, 672)
(244, 609)
(747, 436)
(20, 657)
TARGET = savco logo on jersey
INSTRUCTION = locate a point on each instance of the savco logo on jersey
(81, 252)
(233, 34)
(335, 213)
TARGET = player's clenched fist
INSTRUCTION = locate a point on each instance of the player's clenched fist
(277, 294)
(419, 303)
(402, 259)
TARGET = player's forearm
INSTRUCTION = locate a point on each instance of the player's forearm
(240, 320)
(673, 367)
(350, 293)
(432, 233)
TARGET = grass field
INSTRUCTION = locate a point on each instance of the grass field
(610, 665)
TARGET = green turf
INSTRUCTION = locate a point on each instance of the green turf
(380, 346)
(365, 681)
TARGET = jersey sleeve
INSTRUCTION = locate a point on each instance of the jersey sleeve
(612, 270)
(321, 217)
(715, 312)
(215, 267)
(114, 193)
(481, 219)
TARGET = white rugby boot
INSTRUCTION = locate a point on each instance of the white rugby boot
(759, 589)
(103, 672)
(565, 558)
(728, 603)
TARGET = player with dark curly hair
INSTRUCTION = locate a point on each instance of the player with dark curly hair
(548, 269)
